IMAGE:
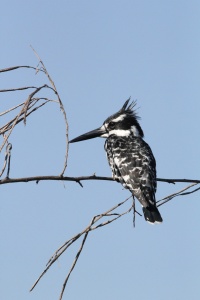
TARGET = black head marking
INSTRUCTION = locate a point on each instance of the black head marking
(125, 118)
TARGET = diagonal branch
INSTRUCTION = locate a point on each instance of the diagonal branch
(74, 262)
(84, 232)
(8, 126)
(11, 109)
(179, 193)
(27, 102)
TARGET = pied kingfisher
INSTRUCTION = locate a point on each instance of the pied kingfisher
(130, 157)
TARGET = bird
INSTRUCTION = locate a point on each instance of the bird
(130, 158)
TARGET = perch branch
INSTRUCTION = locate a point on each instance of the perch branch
(84, 178)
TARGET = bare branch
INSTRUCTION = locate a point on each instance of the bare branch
(18, 89)
(179, 193)
(74, 263)
(85, 232)
(22, 111)
(61, 108)
(7, 160)
(82, 178)
(8, 126)
(11, 109)
(169, 180)
(18, 67)
(26, 104)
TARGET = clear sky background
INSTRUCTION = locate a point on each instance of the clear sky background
(99, 53)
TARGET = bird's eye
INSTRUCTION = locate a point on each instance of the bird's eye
(112, 125)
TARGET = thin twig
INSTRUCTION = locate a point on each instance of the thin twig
(18, 89)
(7, 160)
(11, 109)
(61, 108)
(33, 102)
(133, 205)
(26, 103)
(18, 67)
(62, 249)
(69, 242)
(17, 120)
(74, 263)
(8, 149)
(23, 110)
(91, 227)
(179, 193)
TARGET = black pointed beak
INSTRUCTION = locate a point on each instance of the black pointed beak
(90, 135)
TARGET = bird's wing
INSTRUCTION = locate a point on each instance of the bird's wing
(136, 165)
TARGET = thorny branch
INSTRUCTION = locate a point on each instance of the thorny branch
(32, 103)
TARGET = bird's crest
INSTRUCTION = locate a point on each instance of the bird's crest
(128, 115)
(129, 109)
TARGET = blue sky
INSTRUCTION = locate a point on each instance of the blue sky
(99, 53)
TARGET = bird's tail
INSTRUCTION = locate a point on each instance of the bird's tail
(151, 214)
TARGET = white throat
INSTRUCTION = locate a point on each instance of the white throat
(135, 131)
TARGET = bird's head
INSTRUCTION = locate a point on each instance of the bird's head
(123, 123)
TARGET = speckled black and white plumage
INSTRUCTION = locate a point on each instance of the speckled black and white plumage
(130, 157)
(133, 165)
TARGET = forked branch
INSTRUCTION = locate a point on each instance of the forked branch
(113, 215)
(31, 104)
